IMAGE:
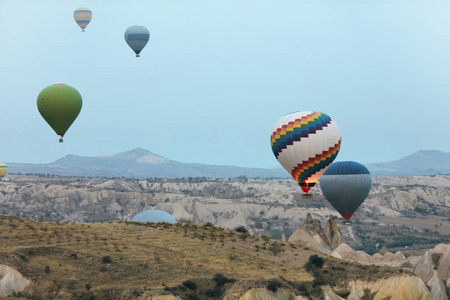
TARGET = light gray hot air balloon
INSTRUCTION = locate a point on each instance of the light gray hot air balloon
(346, 185)
(154, 216)
(137, 37)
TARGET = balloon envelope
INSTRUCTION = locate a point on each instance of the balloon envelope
(305, 144)
(154, 216)
(59, 105)
(82, 16)
(137, 37)
(346, 185)
(3, 170)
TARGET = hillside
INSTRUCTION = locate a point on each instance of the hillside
(123, 260)
(399, 211)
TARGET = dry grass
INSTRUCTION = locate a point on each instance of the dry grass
(66, 259)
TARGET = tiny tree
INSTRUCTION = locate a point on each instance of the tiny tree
(275, 248)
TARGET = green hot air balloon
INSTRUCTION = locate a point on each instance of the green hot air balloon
(59, 105)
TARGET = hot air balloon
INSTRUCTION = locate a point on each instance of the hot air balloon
(59, 105)
(154, 216)
(345, 185)
(82, 16)
(305, 144)
(137, 37)
(3, 170)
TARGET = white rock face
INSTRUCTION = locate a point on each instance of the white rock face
(264, 294)
(301, 237)
(395, 288)
(434, 274)
(437, 286)
(343, 251)
(11, 281)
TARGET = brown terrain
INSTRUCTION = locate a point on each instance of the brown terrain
(401, 213)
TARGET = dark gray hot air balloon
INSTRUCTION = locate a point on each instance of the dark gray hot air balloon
(346, 185)
(137, 37)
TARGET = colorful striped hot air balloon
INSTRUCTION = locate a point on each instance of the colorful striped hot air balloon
(82, 16)
(3, 170)
(59, 105)
(137, 37)
(305, 144)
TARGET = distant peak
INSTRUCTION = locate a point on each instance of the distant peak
(141, 156)
(134, 152)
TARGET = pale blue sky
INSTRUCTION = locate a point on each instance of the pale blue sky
(217, 74)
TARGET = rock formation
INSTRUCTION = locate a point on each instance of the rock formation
(433, 267)
(312, 235)
(11, 281)
(332, 232)
(394, 288)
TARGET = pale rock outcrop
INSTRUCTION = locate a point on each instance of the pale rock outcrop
(11, 281)
(330, 294)
(314, 228)
(165, 297)
(346, 252)
(389, 258)
(438, 291)
(444, 261)
(300, 236)
(394, 288)
(265, 294)
(332, 232)
(424, 268)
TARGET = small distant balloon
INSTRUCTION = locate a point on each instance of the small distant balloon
(154, 216)
(305, 143)
(59, 105)
(345, 185)
(82, 16)
(3, 170)
(137, 37)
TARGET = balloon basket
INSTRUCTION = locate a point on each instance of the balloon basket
(307, 196)
(61, 140)
(347, 222)
(137, 55)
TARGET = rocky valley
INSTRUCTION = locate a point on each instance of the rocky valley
(410, 214)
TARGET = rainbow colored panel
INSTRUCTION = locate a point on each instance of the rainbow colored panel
(296, 130)
(313, 165)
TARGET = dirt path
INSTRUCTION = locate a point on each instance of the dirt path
(348, 231)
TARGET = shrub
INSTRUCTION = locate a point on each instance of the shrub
(275, 248)
(106, 259)
(221, 279)
(47, 269)
(190, 284)
(88, 286)
(273, 285)
(241, 229)
(314, 261)
(214, 293)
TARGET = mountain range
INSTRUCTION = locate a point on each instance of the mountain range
(141, 163)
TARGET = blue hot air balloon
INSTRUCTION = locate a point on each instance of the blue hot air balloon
(346, 185)
(137, 37)
(154, 216)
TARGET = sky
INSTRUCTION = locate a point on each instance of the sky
(216, 75)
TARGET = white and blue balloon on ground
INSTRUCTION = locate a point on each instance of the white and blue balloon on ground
(154, 216)
(346, 185)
